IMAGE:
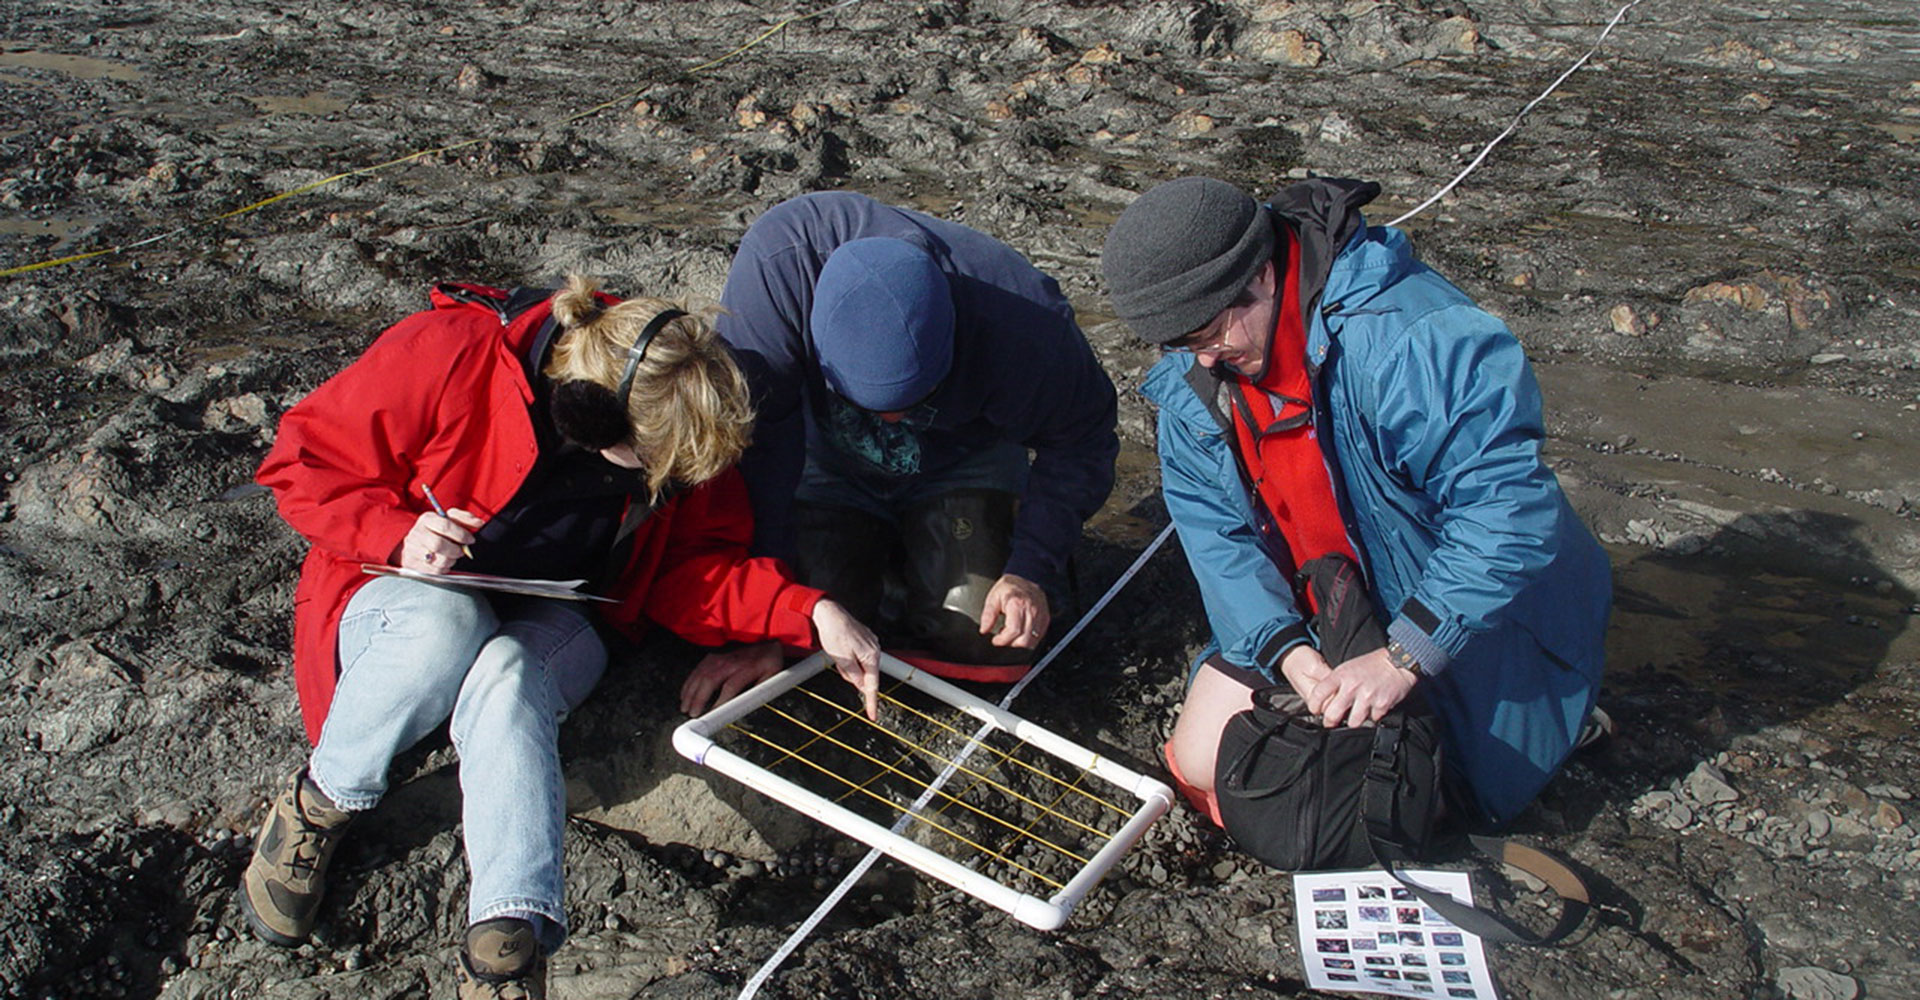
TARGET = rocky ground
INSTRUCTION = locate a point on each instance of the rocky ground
(1709, 240)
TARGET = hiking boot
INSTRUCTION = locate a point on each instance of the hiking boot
(1594, 732)
(501, 961)
(280, 892)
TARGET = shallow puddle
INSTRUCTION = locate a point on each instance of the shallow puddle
(314, 103)
(1777, 644)
(16, 56)
(61, 228)
(1902, 133)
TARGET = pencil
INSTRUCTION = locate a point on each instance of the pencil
(442, 511)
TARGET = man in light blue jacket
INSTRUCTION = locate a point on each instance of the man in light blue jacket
(1323, 390)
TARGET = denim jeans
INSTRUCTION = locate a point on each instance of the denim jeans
(506, 670)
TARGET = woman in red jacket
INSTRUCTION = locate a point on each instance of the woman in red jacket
(577, 438)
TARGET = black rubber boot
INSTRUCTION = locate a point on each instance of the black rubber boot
(845, 553)
(956, 547)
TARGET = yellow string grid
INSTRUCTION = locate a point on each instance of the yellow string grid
(958, 788)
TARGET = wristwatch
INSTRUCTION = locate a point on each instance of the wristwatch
(1403, 659)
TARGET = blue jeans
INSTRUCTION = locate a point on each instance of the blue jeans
(506, 670)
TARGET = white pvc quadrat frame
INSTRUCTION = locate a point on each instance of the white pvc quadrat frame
(695, 741)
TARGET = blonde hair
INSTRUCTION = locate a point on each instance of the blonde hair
(688, 414)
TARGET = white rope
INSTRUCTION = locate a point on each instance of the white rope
(1582, 61)
(840, 891)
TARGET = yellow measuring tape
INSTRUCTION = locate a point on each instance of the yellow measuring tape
(410, 157)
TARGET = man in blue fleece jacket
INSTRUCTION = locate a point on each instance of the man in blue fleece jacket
(903, 367)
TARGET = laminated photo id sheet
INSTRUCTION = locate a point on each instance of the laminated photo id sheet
(1364, 932)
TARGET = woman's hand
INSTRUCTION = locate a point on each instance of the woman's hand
(723, 674)
(854, 649)
(434, 543)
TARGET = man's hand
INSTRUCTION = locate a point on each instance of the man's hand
(723, 674)
(854, 649)
(1021, 607)
(1361, 690)
(434, 542)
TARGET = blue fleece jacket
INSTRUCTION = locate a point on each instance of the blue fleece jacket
(1022, 370)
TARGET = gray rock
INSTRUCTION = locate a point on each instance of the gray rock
(1654, 802)
(1809, 982)
(1708, 784)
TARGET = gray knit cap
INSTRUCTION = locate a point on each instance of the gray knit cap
(1183, 252)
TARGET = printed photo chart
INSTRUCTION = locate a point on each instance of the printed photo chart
(1364, 932)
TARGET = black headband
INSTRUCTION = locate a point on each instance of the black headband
(639, 351)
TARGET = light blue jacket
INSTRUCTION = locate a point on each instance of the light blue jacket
(1429, 415)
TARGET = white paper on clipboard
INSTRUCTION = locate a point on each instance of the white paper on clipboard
(564, 590)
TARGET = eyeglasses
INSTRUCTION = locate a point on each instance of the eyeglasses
(1212, 337)
(1199, 341)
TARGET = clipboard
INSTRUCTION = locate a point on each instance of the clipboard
(564, 590)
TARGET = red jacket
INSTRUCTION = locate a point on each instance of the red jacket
(441, 399)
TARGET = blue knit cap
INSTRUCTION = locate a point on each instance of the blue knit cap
(882, 323)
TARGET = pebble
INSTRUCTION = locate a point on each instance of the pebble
(1654, 802)
(1709, 784)
(1626, 322)
(1810, 982)
(1894, 792)
(1819, 824)
(1850, 833)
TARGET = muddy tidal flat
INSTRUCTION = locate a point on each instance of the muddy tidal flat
(1708, 239)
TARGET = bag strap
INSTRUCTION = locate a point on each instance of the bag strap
(1376, 806)
(1492, 925)
(1235, 777)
